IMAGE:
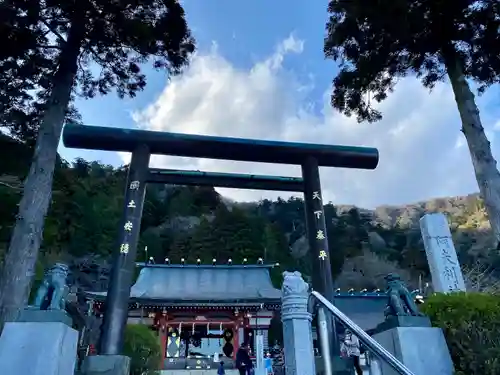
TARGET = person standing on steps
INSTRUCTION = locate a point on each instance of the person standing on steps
(350, 348)
(221, 370)
(243, 361)
(268, 364)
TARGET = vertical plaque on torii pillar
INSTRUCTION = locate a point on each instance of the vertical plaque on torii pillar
(316, 228)
(124, 259)
(318, 242)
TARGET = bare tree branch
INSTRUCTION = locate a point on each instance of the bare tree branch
(10, 186)
(367, 271)
(59, 36)
(12, 182)
(480, 278)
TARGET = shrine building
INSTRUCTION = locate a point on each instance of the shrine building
(201, 312)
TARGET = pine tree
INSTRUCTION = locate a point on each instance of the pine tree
(205, 242)
(378, 42)
(77, 36)
(276, 246)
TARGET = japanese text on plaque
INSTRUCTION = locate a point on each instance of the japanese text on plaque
(449, 263)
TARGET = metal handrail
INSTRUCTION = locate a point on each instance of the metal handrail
(368, 341)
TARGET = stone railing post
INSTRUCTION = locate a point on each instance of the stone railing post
(297, 332)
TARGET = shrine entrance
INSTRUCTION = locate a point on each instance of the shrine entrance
(142, 144)
(200, 345)
(202, 313)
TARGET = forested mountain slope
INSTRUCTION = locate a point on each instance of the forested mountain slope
(194, 222)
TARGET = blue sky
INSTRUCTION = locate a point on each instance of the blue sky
(260, 73)
(245, 32)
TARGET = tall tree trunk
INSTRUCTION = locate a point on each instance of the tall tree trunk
(19, 266)
(485, 165)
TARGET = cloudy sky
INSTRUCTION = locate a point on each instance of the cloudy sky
(260, 73)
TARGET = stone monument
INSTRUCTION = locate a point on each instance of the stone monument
(297, 331)
(42, 341)
(407, 334)
(441, 254)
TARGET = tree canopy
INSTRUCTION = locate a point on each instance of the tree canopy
(376, 43)
(143, 348)
(379, 42)
(54, 51)
(111, 41)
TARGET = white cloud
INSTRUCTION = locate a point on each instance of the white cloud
(422, 154)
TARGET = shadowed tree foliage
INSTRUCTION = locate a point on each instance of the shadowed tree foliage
(143, 348)
(61, 49)
(26, 71)
(379, 42)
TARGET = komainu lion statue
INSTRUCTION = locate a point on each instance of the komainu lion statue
(52, 294)
(293, 283)
(400, 301)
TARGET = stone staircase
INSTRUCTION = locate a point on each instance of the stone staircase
(196, 372)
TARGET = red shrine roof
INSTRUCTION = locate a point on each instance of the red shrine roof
(164, 284)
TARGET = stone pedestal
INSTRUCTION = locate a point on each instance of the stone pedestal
(422, 349)
(106, 365)
(44, 316)
(39, 347)
(402, 321)
(297, 331)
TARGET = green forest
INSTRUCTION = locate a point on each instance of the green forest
(196, 222)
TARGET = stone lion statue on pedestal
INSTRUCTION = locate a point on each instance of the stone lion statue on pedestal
(52, 294)
(400, 301)
(293, 283)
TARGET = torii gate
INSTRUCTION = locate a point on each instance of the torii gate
(143, 143)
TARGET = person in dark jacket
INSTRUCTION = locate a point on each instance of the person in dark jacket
(243, 361)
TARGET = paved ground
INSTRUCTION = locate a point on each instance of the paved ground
(196, 372)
